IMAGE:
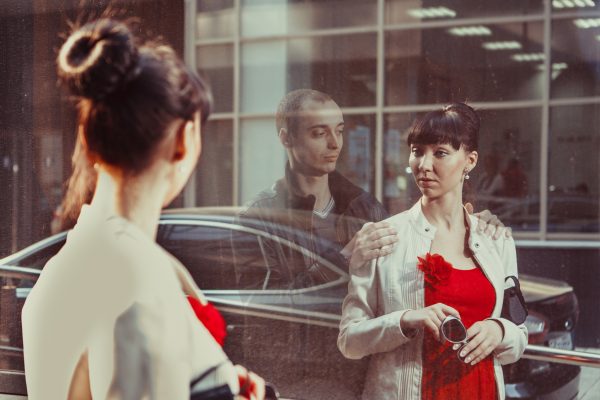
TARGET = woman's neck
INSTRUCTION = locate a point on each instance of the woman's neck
(139, 199)
(444, 212)
(318, 186)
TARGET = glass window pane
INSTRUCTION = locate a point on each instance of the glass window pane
(407, 11)
(357, 159)
(209, 256)
(440, 65)
(399, 189)
(215, 19)
(570, 7)
(341, 66)
(575, 57)
(262, 157)
(214, 174)
(573, 169)
(216, 61)
(281, 17)
(506, 178)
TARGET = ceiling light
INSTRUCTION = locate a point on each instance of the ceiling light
(432, 12)
(507, 45)
(478, 30)
(572, 3)
(555, 66)
(526, 57)
(586, 23)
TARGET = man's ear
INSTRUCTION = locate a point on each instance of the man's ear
(285, 138)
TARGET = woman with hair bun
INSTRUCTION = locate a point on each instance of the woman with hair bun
(108, 317)
(442, 269)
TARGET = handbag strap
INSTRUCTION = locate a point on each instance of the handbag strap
(515, 280)
(206, 373)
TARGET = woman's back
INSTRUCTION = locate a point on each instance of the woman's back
(112, 292)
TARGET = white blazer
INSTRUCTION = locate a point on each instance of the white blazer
(380, 291)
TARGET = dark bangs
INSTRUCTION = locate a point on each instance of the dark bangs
(456, 125)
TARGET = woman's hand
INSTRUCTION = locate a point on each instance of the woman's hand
(429, 317)
(375, 239)
(483, 337)
(252, 386)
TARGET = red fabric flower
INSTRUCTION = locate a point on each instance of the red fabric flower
(436, 269)
(210, 318)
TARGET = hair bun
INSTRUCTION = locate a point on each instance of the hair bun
(98, 58)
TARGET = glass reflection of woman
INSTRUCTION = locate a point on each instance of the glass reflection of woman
(107, 317)
(440, 267)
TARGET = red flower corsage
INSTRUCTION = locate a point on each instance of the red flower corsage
(210, 318)
(436, 269)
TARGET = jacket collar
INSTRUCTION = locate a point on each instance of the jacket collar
(342, 190)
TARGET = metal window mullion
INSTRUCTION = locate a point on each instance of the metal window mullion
(189, 56)
(379, 99)
(545, 140)
(236, 104)
(492, 105)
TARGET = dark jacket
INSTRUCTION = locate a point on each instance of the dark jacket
(279, 207)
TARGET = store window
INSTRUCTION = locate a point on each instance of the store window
(495, 63)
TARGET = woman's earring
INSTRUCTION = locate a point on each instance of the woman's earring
(467, 177)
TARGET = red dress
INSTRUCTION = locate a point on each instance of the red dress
(444, 375)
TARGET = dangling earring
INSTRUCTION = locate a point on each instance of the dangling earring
(467, 177)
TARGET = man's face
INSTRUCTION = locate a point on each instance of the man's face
(315, 147)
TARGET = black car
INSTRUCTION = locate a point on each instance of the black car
(281, 296)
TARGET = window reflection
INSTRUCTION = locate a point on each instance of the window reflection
(262, 157)
(573, 169)
(482, 63)
(506, 179)
(575, 57)
(280, 17)
(411, 11)
(214, 173)
(215, 19)
(342, 66)
(216, 61)
(357, 159)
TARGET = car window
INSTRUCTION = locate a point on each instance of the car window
(208, 254)
(38, 259)
(233, 259)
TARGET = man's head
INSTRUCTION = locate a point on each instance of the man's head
(310, 126)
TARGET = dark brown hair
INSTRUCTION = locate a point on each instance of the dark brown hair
(128, 92)
(456, 124)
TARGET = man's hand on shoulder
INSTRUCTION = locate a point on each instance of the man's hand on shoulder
(489, 224)
(375, 239)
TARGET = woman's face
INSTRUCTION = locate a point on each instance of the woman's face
(440, 168)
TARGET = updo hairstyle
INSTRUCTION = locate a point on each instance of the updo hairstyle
(128, 92)
(456, 124)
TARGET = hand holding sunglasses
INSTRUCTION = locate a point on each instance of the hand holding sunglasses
(475, 344)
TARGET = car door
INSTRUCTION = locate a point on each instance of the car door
(281, 322)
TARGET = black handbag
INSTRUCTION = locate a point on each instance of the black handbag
(513, 306)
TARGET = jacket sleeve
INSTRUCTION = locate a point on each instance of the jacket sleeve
(362, 330)
(513, 343)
